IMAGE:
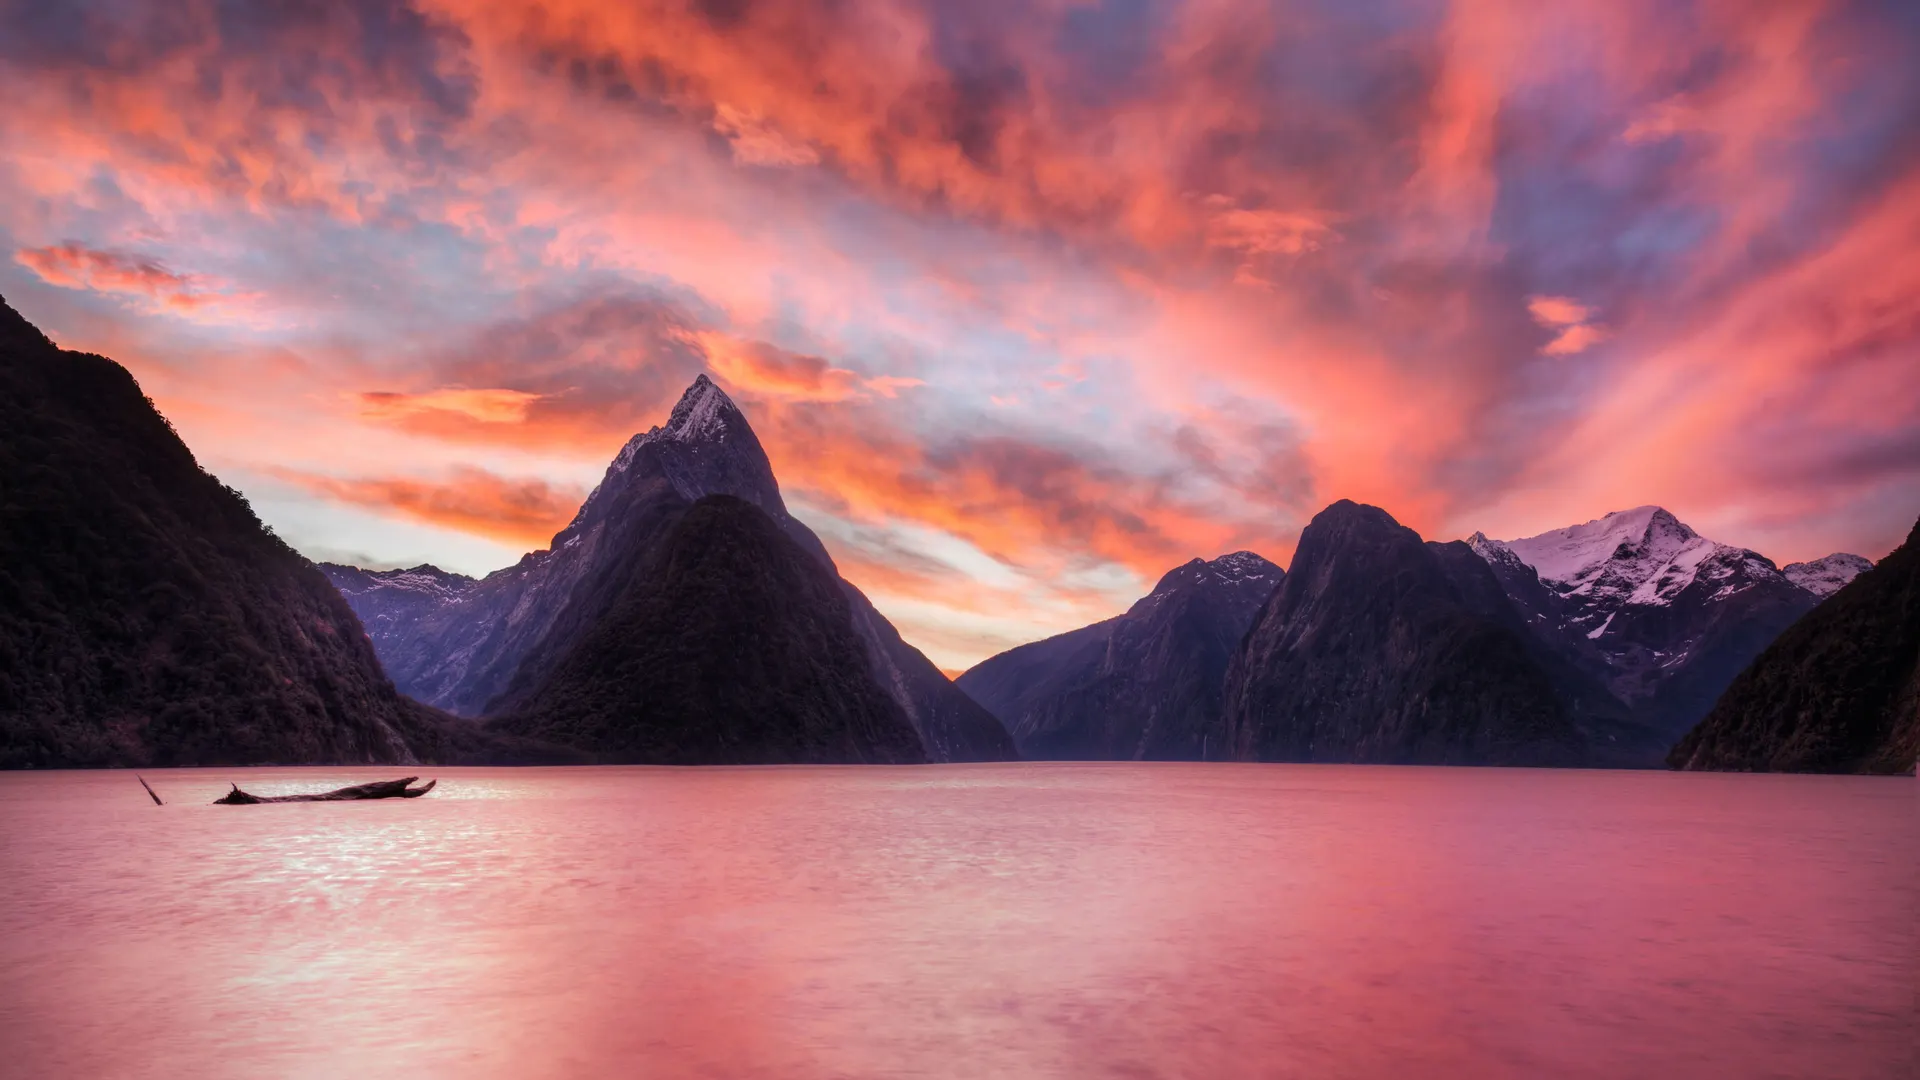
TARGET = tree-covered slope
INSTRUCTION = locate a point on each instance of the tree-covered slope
(146, 615)
(1839, 691)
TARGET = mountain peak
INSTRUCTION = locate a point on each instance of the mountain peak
(1826, 575)
(1577, 551)
(1243, 564)
(1232, 569)
(705, 448)
(1347, 521)
(703, 414)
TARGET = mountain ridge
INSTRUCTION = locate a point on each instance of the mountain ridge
(1143, 685)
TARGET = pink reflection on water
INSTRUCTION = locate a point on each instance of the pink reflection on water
(1148, 921)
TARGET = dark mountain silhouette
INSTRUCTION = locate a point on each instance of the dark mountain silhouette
(146, 615)
(1144, 685)
(728, 643)
(1371, 652)
(1839, 691)
(479, 648)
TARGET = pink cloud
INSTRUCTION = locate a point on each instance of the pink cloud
(74, 266)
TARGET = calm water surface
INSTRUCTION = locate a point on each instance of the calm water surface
(970, 921)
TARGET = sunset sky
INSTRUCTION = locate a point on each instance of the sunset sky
(1028, 301)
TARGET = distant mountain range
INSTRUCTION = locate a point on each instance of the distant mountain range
(515, 643)
(684, 616)
(1597, 644)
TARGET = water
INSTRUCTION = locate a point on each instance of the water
(969, 921)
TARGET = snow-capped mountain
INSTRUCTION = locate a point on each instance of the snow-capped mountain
(1828, 575)
(474, 649)
(1669, 616)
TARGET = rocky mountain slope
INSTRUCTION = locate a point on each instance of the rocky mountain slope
(1839, 691)
(146, 615)
(1664, 616)
(1371, 651)
(1145, 685)
(728, 644)
(478, 648)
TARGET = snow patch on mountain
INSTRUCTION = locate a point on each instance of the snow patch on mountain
(425, 579)
(1644, 556)
(1828, 575)
(700, 433)
(1494, 551)
(1239, 568)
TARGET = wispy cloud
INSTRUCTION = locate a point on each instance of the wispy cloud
(524, 511)
(75, 266)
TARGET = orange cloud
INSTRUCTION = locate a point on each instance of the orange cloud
(75, 266)
(755, 142)
(488, 406)
(1044, 508)
(763, 370)
(759, 368)
(523, 511)
(1574, 339)
(1557, 310)
(1569, 318)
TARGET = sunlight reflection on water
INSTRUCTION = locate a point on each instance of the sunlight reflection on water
(1028, 920)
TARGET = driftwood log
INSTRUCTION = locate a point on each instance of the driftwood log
(379, 789)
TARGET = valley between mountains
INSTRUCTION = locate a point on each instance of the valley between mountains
(684, 616)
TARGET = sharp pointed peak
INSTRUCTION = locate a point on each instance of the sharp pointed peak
(703, 412)
(706, 447)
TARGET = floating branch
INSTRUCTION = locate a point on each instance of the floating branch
(379, 789)
(149, 787)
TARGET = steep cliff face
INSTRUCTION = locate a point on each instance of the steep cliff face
(1614, 735)
(726, 644)
(146, 616)
(471, 650)
(1145, 685)
(1839, 691)
(1370, 653)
